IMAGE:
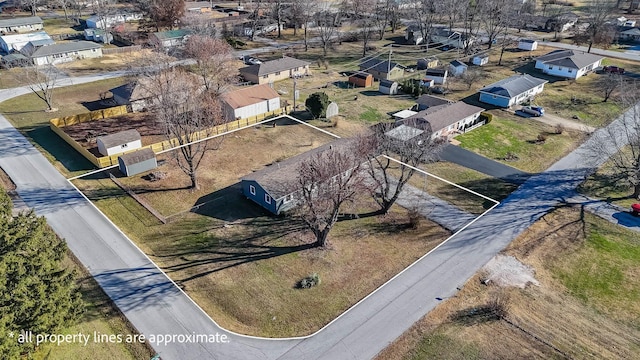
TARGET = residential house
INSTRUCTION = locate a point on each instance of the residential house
(630, 35)
(446, 120)
(568, 63)
(34, 45)
(388, 87)
(275, 187)
(275, 70)
(480, 60)
(65, 52)
(413, 34)
(452, 39)
(140, 95)
(512, 91)
(119, 142)
(20, 24)
(526, 44)
(562, 22)
(427, 101)
(100, 22)
(250, 101)
(14, 60)
(382, 69)
(9, 43)
(98, 35)
(439, 76)
(457, 67)
(170, 38)
(361, 79)
(427, 63)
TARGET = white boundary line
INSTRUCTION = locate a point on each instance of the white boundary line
(496, 203)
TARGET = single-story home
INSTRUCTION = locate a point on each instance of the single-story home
(632, 34)
(250, 101)
(382, 69)
(170, 38)
(135, 94)
(98, 35)
(99, 22)
(275, 187)
(450, 38)
(480, 60)
(428, 101)
(9, 43)
(568, 63)
(34, 45)
(119, 142)
(361, 79)
(65, 52)
(427, 63)
(20, 24)
(439, 76)
(457, 67)
(388, 87)
(512, 90)
(526, 44)
(137, 162)
(445, 120)
(275, 70)
(14, 60)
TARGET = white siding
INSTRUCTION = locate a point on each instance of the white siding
(528, 45)
(137, 144)
(257, 109)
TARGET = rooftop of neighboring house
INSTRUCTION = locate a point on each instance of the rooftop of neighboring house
(513, 86)
(438, 72)
(279, 179)
(20, 21)
(379, 65)
(249, 95)
(569, 58)
(528, 41)
(67, 47)
(25, 38)
(404, 132)
(360, 75)
(457, 63)
(430, 101)
(633, 31)
(270, 67)
(441, 116)
(171, 34)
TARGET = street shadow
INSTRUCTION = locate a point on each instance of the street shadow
(228, 204)
(14, 144)
(530, 69)
(96, 105)
(48, 200)
(627, 219)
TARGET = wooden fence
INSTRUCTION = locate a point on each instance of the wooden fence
(105, 161)
(121, 50)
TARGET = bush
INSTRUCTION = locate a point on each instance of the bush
(317, 104)
(559, 129)
(414, 218)
(542, 138)
(485, 116)
(309, 282)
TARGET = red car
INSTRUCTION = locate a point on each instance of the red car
(635, 209)
(613, 70)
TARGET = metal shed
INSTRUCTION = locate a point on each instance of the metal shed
(137, 162)
(427, 63)
(388, 87)
(119, 142)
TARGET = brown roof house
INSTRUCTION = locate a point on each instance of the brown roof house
(275, 70)
(250, 101)
(446, 120)
(275, 187)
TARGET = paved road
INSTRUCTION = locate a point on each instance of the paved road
(633, 56)
(154, 305)
(471, 160)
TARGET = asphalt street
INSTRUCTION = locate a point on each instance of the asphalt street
(471, 160)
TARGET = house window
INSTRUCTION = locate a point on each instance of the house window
(267, 198)
(288, 198)
(124, 146)
(265, 76)
(495, 97)
(550, 67)
(295, 69)
(570, 71)
(277, 73)
(252, 189)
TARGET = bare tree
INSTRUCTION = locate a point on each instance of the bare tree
(214, 59)
(255, 16)
(424, 14)
(327, 180)
(449, 10)
(305, 9)
(495, 17)
(276, 14)
(599, 13)
(199, 24)
(387, 183)
(609, 83)
(41, 80)
(471, 77)
(162, 13)
(326, 29)
(471, 16)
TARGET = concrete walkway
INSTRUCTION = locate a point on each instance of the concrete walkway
(615, 214)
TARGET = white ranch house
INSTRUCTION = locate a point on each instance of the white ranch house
(568, 64)
(250, 101)
(65, 52)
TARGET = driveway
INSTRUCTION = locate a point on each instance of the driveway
(471, 160)
(554, 120)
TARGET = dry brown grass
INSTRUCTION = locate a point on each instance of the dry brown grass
(5, 181)
(543, 322)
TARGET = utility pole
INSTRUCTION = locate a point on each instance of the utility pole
(389, 62)
(295, 93)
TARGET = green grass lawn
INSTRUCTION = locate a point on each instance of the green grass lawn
(508, 134)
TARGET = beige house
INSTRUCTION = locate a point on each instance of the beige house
(275, 70)
(20, 25)
(382, 69)
(65, 52)
(250, 101)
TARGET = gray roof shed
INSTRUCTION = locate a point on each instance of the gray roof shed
(120, 138)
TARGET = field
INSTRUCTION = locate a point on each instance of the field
(586, 304)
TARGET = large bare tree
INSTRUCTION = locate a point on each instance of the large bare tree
(214, 59)
(424, 13)
(41, 80)
(598, 32)
(495, 17)
(327, 180)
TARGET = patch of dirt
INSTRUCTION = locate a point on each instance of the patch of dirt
(6, 182)
(505, 271)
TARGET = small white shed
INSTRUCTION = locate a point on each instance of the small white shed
(457, 67)
(119, 142)
(439, 76)
(480, 60)
(526, 44)
(388, 87)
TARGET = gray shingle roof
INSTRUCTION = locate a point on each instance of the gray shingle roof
(439, 117)
(62, 48)
(513, 86)
(137, 156)
(119, 138)
(379, 65)
(430, 100)
(30, 20)
(456, 63)
(274, 66)
(569, 58)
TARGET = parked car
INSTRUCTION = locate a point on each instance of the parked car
(533, 110)
(252, 61)
(439, 90)
(610, 69)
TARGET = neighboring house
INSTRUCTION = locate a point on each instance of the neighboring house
(568, 63)
(98, 35)
(20, 24)
(9, 43)
(170, 38)
(526, 44)
(426, 83)
(382, 69)
(275, 187)
(119, 142)
(134, 94)
(250, 101)
(361, 79)
(480, 60)
(444, 121)
(427, 101)
(34, 45)
(14, 60)
(388, 87)
(439, 76)
(65, 52)
(275, 70)
(427, 63)
(457, 67)
(451, 38)
(99, 22)
(512, 91)
(137, 162)
(562, 22)
(413, 34)
(631, 35)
